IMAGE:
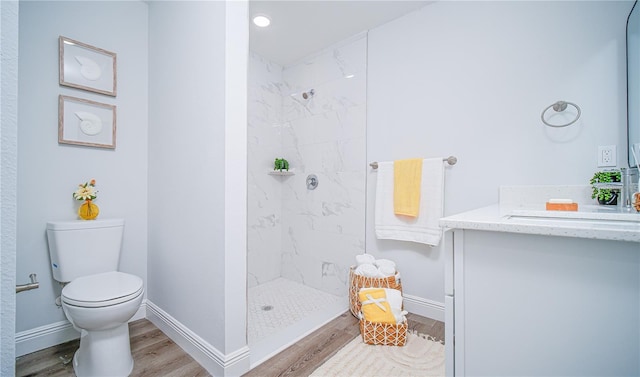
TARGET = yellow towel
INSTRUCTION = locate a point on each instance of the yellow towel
(375, 307)
(407, 176)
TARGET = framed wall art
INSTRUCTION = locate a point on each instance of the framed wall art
(83, 66)
(85, 122)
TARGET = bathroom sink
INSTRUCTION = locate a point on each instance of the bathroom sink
(587, 228)
(594, 222)
(588, 217)
(586, 213)
(630, 224)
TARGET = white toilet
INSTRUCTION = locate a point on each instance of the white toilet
(98, 299)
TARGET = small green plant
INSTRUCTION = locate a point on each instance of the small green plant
(281, 164)
(604, 195)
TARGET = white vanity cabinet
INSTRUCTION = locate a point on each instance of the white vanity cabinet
(540, 305)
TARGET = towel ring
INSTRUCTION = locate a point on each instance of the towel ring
(558, 107)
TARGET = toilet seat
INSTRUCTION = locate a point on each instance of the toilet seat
(101, 290)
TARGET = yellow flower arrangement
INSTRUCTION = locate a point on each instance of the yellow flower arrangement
(86, 191)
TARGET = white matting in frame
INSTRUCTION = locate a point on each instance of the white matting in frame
(85, 122)
(87, 67)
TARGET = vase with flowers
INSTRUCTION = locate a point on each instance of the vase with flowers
(87, 192)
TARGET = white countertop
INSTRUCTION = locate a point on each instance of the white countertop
(590, 221)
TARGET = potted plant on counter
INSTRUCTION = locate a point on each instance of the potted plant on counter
(604, 185)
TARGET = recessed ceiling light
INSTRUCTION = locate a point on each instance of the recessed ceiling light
(261, 20)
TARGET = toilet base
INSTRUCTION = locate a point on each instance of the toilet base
(104, 353)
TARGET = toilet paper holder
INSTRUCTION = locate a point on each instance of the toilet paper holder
(25, 287)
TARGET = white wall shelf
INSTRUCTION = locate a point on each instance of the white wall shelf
(282, 172)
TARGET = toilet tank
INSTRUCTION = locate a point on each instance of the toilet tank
(84, 247)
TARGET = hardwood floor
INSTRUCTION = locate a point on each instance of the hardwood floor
(157, 355)
(153, 352)
(302, 358)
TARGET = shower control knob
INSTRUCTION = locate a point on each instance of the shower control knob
(312, 182)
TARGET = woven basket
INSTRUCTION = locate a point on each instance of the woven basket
(358, 281)
(385, 334)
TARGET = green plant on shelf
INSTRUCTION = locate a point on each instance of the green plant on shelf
(281, 164)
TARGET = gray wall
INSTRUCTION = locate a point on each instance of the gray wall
(470, 79)
(48, 172)
(8, 181)
(177, 175)
(186, 160)
(198, 53)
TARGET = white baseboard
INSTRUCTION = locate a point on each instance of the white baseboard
(424, 307)
(46, 336)
(213, 360)
(42, 337)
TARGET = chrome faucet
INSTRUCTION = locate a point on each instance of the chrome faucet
(629, 178)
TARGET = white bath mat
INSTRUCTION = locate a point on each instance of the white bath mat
(419, 357)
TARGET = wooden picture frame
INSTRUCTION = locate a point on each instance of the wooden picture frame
(86, 67)
(85, 122)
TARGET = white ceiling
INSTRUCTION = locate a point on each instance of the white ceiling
(301, 27)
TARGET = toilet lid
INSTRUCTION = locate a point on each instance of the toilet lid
(109, 288)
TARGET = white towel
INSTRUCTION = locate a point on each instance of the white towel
(386, 270)
(399, 315)
(367, 270)
(384, 262)
(365, 259)
(394, 297)
(422, 229)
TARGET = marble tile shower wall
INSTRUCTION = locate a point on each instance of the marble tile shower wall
(264, 229)
(310, 237)
(325, 135)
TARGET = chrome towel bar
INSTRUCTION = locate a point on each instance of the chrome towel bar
(451, 160)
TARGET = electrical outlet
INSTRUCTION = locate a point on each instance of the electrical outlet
(607, 156)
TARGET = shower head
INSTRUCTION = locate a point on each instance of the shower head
(309, 94)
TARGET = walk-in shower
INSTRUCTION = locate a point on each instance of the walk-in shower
(301, 241)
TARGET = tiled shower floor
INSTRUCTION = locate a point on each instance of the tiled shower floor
(280, 303)
(282, 311)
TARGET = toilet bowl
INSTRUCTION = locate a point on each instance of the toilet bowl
(97, 299)
(99, 306)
